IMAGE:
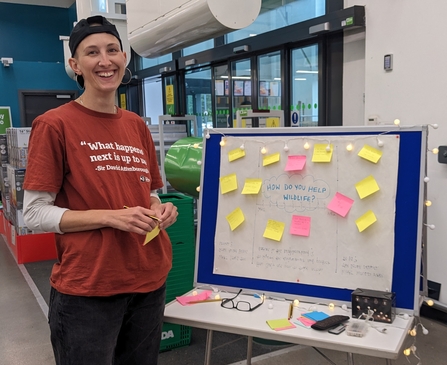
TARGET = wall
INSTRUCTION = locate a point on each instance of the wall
(30, 35)
(414, 92)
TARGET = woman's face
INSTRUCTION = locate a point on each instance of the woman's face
(100, 61)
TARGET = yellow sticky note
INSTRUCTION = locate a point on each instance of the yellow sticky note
(370, 153)
(272, 122)
(367, 187)
(228, 183)
(151, 235)
(365, 220)
(235, 154)
(321, 154)
(274, 230)
(252, 186)
(269, 159)
(235, 218)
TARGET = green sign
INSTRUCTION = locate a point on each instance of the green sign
(349, 21)
(5, 118)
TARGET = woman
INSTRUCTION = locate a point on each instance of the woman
(91, 178)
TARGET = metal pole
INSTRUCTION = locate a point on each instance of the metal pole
(249, 349)
(350, 359)
(209, 345)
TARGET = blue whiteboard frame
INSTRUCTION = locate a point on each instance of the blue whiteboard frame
(408, 219)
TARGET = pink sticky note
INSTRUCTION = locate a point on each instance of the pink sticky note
(306, 321)
(340, 204)
(300, 225)
(185, 299)
(295, 163)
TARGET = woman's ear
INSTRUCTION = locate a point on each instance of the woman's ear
(74, 66)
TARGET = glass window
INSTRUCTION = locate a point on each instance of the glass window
(199, 47)
(304, 102)
(153, 100)
(198, 97)
(221, 96)
(150, 62)
(277, 14)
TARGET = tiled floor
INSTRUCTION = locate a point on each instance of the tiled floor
(24, 334)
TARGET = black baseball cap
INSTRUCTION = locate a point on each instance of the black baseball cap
(85, 28)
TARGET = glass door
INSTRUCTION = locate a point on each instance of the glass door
(304, 92)
(221, 96)
(198, 97)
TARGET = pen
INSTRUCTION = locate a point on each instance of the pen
(290, 311)
(150, 216)
(204, 301)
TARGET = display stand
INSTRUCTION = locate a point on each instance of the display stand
(245, 114)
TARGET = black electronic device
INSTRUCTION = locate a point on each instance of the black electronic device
(329, 322)
(338, 329)
(381, 304)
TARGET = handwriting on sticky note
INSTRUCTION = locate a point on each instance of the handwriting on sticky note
(274, 230)
(235, 154)
(252, 186)
(295, 163)
(370, 153)
(321, 153)
(300, 225)
(365, 220)
(367, 186)
(270, 159)
(228, 183)
(340, 204)
(235, 218)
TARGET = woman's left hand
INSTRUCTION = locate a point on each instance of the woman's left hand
(167, 212)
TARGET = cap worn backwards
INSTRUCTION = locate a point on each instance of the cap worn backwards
(85, 28)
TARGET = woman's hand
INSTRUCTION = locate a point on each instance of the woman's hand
(167, 213)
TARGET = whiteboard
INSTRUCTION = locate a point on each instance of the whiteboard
(333, 257)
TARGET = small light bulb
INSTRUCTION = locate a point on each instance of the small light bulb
(413, 348)
(380, 143)
(296, 303)
(426, 179)
(194, 292)
(328, 148)
(435, 151)
(242, 147)
(344, 307)
(428, 203)
(207, 136)
(263, 150)
(424, 330)
(407, 352)
(199, 162)
(222, 142)
(331, 306)
(429, 302)
(349, 147)
(306, 146)
(396, 121)
(432, 227)
(435, 126)
(413, 332)
(198, 189)
(286, 148)
(196, 145)
(217, 296)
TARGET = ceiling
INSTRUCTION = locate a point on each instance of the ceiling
(55, 3)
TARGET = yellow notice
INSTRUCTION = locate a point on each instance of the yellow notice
(123, 101)
(370, 153)
(274, 230)
(367, 187)
(235, 218)
(252, 186)
(321, 154)
(235, 154)
(269, 159)
(365, 220)
(169, 94)
(272, 122)
(151, 235)
(228, 183)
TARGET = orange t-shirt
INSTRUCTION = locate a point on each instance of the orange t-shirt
(96, 160)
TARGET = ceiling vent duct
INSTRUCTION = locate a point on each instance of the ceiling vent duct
(156, 28)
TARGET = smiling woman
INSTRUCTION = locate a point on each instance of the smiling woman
(87, 160)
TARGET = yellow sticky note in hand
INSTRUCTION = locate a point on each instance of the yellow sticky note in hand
(321, 153)
(151, 235)
(274, 230)
(370, 153)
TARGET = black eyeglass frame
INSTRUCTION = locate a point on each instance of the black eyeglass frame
(228, 300)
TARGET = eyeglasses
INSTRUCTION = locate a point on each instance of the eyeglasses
(240, 305)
